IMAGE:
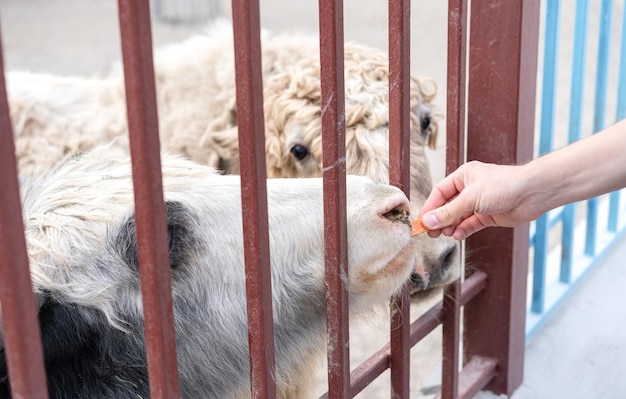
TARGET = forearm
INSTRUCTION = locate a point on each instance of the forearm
(589, 167)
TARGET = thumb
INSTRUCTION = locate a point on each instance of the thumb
(443, 216)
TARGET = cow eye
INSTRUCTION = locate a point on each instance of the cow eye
(299, 151)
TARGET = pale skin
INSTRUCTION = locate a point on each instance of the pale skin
(479, 195)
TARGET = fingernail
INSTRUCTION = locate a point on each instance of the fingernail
(430, 220)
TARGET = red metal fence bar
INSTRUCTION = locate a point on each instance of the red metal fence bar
(20, 326)
(477, 373)
(380, 361)
(334, 175)
(503, 38)
(154, 266)
(479, 370)
(501, 104)
(455, 156)
(475, 376)
(377, 363)
(249, 84)
(456, 84)
(399, 175)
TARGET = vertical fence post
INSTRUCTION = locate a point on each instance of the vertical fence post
(620, 114)
(399, 175)
(621, 92)
(456, 84)
(20, 326)
(599, 110)
(154, 266)
(334, 175)
(455, 156)
(548, 95)
(501, 104)
(575, 117)
(247, 31)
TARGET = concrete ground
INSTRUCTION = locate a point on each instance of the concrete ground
(581, 352)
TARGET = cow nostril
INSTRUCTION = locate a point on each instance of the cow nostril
(396, 209)
(440, 271)
(416, 282)
(397, 215)
(444, 263)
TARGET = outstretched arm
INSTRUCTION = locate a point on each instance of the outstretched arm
(479, 195)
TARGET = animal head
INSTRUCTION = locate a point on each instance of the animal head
(198, 118)
(80, 231)
(293, 117)
(292, 101)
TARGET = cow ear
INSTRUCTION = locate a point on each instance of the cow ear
(222, 147)
(180, 238)
(126, 242)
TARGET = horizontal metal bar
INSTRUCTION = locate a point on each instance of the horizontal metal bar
(473, 286)
(369, 370)
(376, 364)
(426, 323)
(423, 326)
(476, 375)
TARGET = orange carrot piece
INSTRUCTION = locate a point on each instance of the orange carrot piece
(417, 227)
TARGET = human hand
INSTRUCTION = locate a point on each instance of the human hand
(479, 195)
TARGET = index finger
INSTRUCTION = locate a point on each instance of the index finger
(443, 193)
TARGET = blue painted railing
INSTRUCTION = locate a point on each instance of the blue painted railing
(562, 257)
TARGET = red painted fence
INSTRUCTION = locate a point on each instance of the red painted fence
(497, 94)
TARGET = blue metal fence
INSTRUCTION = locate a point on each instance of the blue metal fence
(568, 242)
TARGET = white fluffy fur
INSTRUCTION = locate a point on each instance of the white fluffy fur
(73, 220)
(56, 117)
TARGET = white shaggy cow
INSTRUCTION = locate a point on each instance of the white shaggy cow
(80, 235)
(57, 116)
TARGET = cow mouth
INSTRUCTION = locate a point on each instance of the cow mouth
(424, 283)
(400, 264)
(431, 277)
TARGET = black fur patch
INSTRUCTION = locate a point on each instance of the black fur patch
(179, 234)
(85, 357)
